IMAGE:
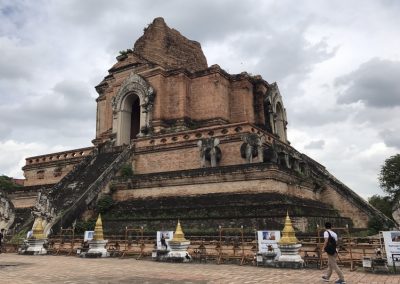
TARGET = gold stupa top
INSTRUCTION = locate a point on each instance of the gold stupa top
(178, 236)
(98, 230)
(288, 233)
(38, 231)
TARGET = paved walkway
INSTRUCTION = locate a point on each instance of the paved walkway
(69, 269)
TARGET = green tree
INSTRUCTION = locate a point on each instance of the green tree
(7, 184)
(389, 177)
(383, 204)
(375, 225)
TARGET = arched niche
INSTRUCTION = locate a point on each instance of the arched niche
(132, 110)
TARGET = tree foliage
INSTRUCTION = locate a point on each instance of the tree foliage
(104, 204)
(6, 183)
(126, 170)
(383, 204)
(375, 225)
(389, 177)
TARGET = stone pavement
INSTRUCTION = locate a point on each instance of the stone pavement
(69, 269)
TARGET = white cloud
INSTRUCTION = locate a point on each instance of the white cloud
(13, 155)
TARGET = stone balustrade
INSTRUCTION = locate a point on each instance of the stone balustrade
(195, 135)
(76, 153)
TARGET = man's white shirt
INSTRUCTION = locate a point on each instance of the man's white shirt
(333, 234)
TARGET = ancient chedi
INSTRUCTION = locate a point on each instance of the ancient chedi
(206, 147)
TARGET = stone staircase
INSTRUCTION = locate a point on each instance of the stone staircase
(69, 198)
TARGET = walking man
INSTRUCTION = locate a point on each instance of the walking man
(330, 240)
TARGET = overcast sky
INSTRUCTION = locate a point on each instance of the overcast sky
(337, 64)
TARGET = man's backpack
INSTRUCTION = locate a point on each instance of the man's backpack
(331, 245)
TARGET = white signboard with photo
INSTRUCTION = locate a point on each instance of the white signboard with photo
(268, 240)
(88, 236)
(392, 246)
(163, 237)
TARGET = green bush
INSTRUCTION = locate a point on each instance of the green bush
(104, 204)
(83, 226)
(126, 170)
(375, 225)
(7, 184)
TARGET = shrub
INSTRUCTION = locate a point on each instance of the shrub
(126, 170)
(104, 204)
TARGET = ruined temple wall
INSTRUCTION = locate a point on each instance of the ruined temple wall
(171, 96)
(242, 102)
(104, 103)
(232, 187)
(51, 168)
(345, 206)
(183, 158)
(100, 117)
(47, 174)
(158, 82)
(26, 201)
(209, 98)
(179, 151)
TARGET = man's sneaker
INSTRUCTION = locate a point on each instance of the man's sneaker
(325, 279)
(340, 282)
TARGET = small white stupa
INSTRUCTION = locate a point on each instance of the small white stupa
(97, 246)
(35, 243)
(289, 246)
(179, 246)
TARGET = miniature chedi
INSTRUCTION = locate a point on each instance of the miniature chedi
(37, 240)
(179, 246)
(97, 246)
(289, 246)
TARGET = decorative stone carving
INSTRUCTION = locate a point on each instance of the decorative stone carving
(252, 147)
(137, 85)
(283, 157)
(42, 209)
(209, 151)
(270, 154)
(6, 212)
(295, 163)
(101, 88)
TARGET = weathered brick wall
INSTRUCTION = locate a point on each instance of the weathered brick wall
(174, 98)
(344, 205)
(241, 101)
(48, 177)
(184, 158)
(24, 201)
(158, 83)
(51, 168)
(168, 48)
(235, 187)
(179, 151)
(209, 98)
